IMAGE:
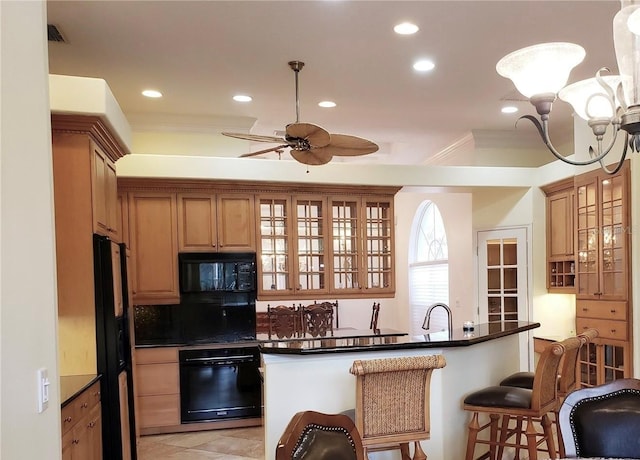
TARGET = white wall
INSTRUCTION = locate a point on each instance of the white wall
(27, 263)
(455, 209)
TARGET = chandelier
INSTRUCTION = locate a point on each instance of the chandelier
(540, 73)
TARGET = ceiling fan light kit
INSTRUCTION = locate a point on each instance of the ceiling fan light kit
(540, 73)
(310, 144)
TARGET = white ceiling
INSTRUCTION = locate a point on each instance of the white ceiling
(201, 53)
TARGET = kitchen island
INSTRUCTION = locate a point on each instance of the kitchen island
(312, 373)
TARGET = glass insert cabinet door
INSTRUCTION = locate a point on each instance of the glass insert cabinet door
(346, 243)
(274, 244)
(310, 247)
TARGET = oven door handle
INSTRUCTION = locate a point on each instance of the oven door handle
(239, 358)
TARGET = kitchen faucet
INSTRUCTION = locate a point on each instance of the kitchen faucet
(427, 318)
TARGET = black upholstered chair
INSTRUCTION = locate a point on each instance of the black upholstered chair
(602, 421)
(313, 435)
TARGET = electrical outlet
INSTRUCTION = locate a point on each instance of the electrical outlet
(43, 389)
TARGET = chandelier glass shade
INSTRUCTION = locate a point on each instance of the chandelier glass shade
(608, 102)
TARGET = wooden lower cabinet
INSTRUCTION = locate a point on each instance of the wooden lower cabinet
(158, 388)
(82, 426)
(603, 361)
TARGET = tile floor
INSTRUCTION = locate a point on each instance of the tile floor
(231, 444)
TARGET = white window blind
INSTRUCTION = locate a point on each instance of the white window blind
(429, 270)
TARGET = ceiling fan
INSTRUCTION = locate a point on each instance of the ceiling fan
(310, 144)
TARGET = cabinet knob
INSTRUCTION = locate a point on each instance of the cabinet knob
(613, 331)
(67, 420)
(91, 424)
(75, 441)
(585, 309)
(85, 405)
(613, 310)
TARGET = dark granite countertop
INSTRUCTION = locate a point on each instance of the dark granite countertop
(72, 385)
(385, 339)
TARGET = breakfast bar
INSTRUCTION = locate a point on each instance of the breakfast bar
(312, 373)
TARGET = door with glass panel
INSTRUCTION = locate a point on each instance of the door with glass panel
(274, 230)
(503, 281)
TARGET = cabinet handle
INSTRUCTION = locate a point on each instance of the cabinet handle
(613, 331)
(85, 405)
(585, 309)
(75, 441)
(91, 424)
(613, 310)
(67, 420)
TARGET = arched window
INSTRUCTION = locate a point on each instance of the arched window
(428, 268)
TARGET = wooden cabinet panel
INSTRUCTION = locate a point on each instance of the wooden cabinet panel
(197, 222)
(607, 329)
(117, 280)
(158, 379)
(236, 223)
(604, 310)
(210, 222)
(156, 355)
(105, 193)
(154, 245)
(162, 410)
(82, 426)
(123, 391)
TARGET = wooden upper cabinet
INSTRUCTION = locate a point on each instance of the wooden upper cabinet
(602, 226)
(236, 223)
(154, 246)
(83, 152)
(105, 194)
(560, 231)
(197, 222)
(208, 222)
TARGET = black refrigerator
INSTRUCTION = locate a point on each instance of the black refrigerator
(114, 349)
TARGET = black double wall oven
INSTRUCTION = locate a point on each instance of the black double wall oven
(217, 308)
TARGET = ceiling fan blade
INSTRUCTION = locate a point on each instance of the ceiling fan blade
(255, 137)
(311, 157)
(314, 134)
(348, 146)
(259, 152)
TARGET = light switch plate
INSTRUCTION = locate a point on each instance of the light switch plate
(43, 389)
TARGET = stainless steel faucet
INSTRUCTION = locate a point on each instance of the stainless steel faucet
(427, 318)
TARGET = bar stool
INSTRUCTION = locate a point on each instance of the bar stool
(525, 405)
(392, 402)
(567, 378)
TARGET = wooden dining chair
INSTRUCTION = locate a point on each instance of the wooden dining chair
(312, 435)
(317, 319)
(284, 321)
(375, 311)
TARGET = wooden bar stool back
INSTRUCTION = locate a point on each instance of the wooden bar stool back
(392, 402)
(527, 406)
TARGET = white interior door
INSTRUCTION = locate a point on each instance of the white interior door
(503, 281)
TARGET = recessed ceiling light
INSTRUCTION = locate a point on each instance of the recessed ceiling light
(406, 28)
(242, 98)
(151, 93)
(327, 104)
(509, 109)
(424, 65)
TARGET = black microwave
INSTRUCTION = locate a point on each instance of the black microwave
(217, 272)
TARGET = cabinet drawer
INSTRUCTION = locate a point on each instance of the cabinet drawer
(93, 394)
(68, 417)
(159, 410)
(601, 309)
(156, 355)
(607, 329)
(158, 379)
